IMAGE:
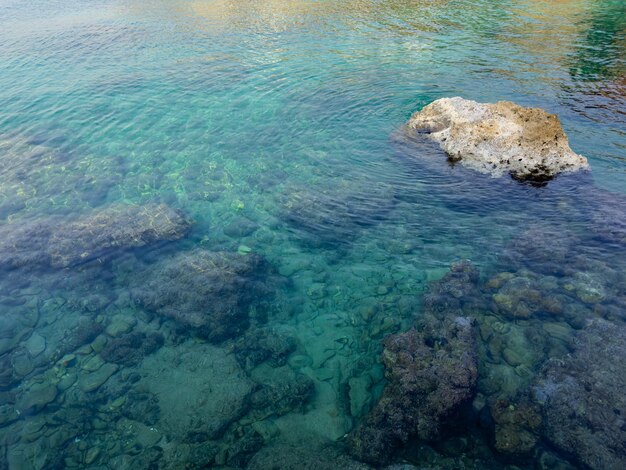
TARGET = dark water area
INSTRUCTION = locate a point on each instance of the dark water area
(220, 247)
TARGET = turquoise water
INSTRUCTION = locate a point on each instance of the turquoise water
(273, 127)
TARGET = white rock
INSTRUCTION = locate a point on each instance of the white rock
(499, 138)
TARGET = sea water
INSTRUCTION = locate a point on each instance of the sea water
(275, 129)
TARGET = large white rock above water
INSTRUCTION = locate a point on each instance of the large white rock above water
(499, 138)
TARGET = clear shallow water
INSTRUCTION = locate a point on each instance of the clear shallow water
(274, 126)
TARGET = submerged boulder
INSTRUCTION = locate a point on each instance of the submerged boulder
(131, 348)
(24, 244)
(200, 390)
(263, 344)
(60, 243)
(582, 397)
(117, 227)
(516, 426)
(208, 292)
(499, 138)
(281, 397)
(430, 374)
(456, 292)
(335, 213)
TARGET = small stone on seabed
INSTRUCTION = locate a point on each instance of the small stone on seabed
(35, 345)
(92, 381)
(120, 324)
(37, 396)
(243, 249)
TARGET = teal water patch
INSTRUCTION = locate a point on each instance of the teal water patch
(214, 235)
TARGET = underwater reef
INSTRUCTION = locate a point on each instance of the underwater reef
(121, 349)
(582, 397)
(243, 342)
(61, 243)
(175, 363)
(40, 178)
(532, 382)
(500, 138)
(208, 292)
(108, 381)
(431, 372)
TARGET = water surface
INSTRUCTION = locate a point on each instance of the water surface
(274, 126)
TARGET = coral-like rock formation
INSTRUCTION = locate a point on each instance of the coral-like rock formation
(131, 348)
(117, 227)
(208, 292)
(499, 138)
(582, 397)
(263, 344)
(282, 397)
(61, 243)
(456, 292)
(430, 374)
(524, 297)
(516, 426)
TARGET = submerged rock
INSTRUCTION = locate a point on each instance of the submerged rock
(61, 243)
(131, 348)
(120, 324)
(84, 331)
(582, 397)
(240, 227)
(24, 244)
(280, 398)
(335, 214)
(516, 426)
(523, 297)
(118, 227)
(241, 451)
(499, 138)
(200, 390)
(34, 396)
(554, 271)
(94, 380)
(456, 292)
(209, 292)
(191, 456)
(430, 374)
(141, 406)
(263, 344)
(542, 248)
